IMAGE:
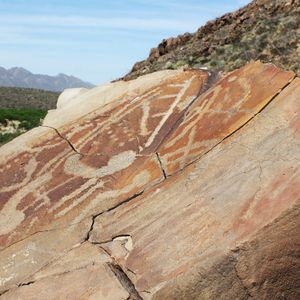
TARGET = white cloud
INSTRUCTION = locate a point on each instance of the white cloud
(101, 22)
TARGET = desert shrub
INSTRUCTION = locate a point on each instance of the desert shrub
(181, 63)
(220, 50)
(29, 118)
(261, 27)
(201, 60)
(237, 64)
(289, 22)
(261, 41)
(7, 137)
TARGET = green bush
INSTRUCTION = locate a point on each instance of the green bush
(28, 118)
(7, 137)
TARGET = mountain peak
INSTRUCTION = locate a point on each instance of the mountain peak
(20, 77)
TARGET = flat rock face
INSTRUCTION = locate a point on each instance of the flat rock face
(85, 274)
(221, 111)
(105, 94)
(174, 186)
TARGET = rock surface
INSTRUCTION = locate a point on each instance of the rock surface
(68, 95)
(178, 185)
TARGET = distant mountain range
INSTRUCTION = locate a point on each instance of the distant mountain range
(20, 77)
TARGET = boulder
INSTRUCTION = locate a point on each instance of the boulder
(67, 95)
(178, 185)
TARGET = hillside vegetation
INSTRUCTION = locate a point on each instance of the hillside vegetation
(22, 109)
(11, 97)
(14, 122)
(266, 30)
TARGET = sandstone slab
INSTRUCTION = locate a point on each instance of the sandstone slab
(68, 95)
(87, 266)
(50, 191)
(194, 218)
(93, 164)
(171, 186)
(222, 110)
(105, 94)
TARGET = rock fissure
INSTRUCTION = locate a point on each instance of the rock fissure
(64, 138)
(90, 230)
(4, 292)
(26, 283)
(126, 241)
(18, 285)
(161, 165)
(106, 211)
(123, 277)
(132, 272)
(124, 280)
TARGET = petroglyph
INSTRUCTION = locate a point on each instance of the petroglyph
(150, 193)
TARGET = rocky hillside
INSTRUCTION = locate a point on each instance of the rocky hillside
(20, 77)
(268, 30)
(176, 185)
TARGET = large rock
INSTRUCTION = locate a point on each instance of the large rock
(68, 95)
(104, 94)
(173, 186)
(222, 110)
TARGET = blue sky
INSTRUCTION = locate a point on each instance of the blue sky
(95, 40)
